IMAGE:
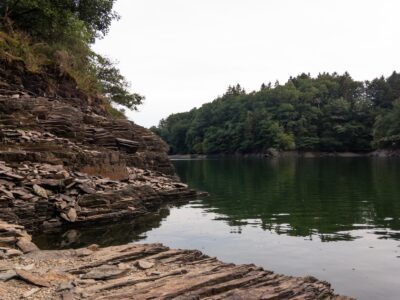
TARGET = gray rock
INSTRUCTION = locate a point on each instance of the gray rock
(105, 272)
(7, 275)
(65, 286)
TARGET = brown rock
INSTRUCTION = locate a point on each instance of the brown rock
(7, 193)
(13, 253)
(93, 247)
(26, 245)
(31, 292)
(67, 296)
(72, 216)
(13, 176)
(144, 265)
(32, 278)
(87, 189)
(83, 252)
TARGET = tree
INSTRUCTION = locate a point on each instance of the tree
(66, 29)
(387, 128)
(113, 85)
(328, 113)
(49, 20)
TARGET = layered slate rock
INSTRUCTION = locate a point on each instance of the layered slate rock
(65, 160)
(73, 120)
(14, 241)
(146, 271)
(42, 196)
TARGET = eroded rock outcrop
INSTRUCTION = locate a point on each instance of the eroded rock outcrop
(144, 271)
(64, 159)
(40, 195)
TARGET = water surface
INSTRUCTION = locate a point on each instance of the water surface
(337, 219)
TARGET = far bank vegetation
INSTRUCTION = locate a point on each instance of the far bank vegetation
(330, 112)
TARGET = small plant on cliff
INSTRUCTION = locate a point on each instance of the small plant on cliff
(61, 32)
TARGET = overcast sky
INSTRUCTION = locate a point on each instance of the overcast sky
(183, 53)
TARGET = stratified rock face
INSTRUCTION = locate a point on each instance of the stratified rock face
(143, 271)
(124, 141)
(64, 160)
(43, 196)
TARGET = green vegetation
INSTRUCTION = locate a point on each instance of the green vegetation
(328, 113)
(46, 33)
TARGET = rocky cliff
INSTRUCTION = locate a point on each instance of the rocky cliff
(64, 159)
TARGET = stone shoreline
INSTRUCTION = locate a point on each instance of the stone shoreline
(283, 154)
(43, 196)
(137, 271)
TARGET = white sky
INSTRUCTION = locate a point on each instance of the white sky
(183, 53)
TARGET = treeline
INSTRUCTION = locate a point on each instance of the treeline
(45, 34)
(328, 113)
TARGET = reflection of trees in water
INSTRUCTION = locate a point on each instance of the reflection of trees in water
(296, 197)
(119, 233)
(312, 196)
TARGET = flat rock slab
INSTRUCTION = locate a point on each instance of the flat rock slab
(153, 271)
(32, 278)
(105, 272)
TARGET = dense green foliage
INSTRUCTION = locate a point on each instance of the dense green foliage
(328, 113)
(45, 32)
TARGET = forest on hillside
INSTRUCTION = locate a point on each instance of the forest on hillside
(44, 35)
(330, 112)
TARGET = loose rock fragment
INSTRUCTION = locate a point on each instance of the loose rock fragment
(144, 265)
(26, 245)
(72, 215)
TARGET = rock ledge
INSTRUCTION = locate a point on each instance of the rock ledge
(143, 271)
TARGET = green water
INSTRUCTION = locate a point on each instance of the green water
(300, 197)
(334, 218)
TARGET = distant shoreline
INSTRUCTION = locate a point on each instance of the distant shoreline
(304, 154)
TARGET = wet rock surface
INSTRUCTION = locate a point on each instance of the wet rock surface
(144, 271)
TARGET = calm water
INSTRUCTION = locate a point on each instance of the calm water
(337, 219)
